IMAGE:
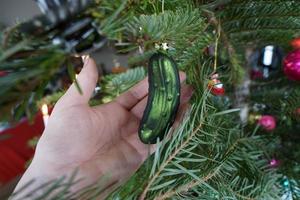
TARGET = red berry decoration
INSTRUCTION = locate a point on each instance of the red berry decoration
(268, 122)
(291, 65)
(216, 86)
(295, 43)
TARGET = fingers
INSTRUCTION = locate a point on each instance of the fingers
(87, 80)
(134, 95)
(144, 150)
(139, 108)
(186, 93)
(130, 98)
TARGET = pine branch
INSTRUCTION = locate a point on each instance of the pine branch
(171, 157)
(175, 28)
(209, 156)
(189, 56)
(253, 18)
(176, 163)
(236, 71)
(186, 187)
(113, 85)
(107, 16)
(262, 28)
(290, 188)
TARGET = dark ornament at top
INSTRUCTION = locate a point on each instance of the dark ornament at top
(60, 22)
(270, 59)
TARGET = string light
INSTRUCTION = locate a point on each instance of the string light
(45, 113)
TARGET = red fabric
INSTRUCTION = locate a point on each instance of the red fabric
(14, 151)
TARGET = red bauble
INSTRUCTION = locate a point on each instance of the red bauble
(268, 122)
(218, 91)
(295, 43)
(216, 87)
(291, 65)
(3, 73)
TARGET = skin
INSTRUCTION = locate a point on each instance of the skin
(100, 142)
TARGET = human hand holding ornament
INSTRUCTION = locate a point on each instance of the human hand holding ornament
(100, 142)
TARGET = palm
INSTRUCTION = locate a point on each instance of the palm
(102, 139)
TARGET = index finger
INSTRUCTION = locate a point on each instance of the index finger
(135, 94)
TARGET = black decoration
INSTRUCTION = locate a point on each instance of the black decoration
(81, 36)
(270, 59)
(75, 34)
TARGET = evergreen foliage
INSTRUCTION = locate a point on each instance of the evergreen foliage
(211, 154)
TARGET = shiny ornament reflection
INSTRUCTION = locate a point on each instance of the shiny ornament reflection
(268, 122)
(291, 65)
(45, 113)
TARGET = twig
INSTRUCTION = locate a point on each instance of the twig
(172, 156)
(230, 49)
(243, 197)
(187, 186)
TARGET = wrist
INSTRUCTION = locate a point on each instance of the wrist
(34, 183)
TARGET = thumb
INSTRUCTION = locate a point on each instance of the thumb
(87, 80)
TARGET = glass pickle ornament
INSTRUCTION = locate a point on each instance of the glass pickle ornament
(163, 98)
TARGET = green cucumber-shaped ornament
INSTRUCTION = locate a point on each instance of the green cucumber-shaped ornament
(163, 98)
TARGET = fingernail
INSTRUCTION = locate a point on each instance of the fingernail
(190, 91)
(182, 76)
(85, 59)
(187, 94)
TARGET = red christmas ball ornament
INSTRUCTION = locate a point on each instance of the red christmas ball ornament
(268, 122)
(218, 89)
(291, 65)
(216, 86)
(3, 73)
(295, 43)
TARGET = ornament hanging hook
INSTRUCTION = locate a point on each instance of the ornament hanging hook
(216, 48)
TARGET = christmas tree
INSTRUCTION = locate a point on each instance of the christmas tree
(239, 138)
